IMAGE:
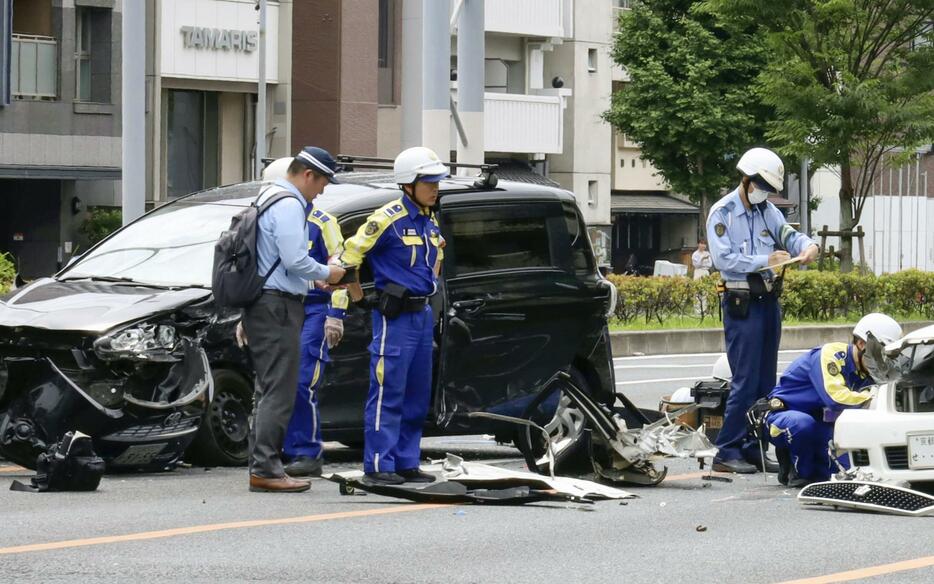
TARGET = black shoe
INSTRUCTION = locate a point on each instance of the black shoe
(771, 465)
(383, 478)
(415, 475)
(738, 466)
(304, 466)
(796, 482)
(785, 465)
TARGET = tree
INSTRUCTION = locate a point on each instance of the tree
(690, 102)
(851, 82)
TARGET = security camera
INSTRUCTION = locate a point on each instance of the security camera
(557, 82)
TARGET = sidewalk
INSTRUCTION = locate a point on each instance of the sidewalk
(667, 342)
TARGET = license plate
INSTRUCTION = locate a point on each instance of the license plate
(921, 451)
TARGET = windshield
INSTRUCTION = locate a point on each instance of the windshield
(173, 246)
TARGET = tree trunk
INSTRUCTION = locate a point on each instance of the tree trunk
(846, 216)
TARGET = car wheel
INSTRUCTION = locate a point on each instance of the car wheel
(567, 426)
(223, 439)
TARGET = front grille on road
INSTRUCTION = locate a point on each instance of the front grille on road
(897, 457)
(866, 495)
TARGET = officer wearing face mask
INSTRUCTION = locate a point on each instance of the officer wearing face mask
(746, 233)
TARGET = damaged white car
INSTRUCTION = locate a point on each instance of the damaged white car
(890, 443)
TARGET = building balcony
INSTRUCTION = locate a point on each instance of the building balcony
(531, 18)
(521, 124)
(34, 67)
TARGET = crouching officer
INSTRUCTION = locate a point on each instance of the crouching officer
(747, 233)
(403, 243)
(812, 393)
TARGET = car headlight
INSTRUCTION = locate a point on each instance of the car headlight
(144, 341)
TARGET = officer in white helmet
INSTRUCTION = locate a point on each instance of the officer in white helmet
(746, 233)
(403, 244)
(813, 391)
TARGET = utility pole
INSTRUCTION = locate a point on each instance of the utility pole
(133, 87)
(261, 94)
(803, 213)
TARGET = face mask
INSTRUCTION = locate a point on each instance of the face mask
(757, 196)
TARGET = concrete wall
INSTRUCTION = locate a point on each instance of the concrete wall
(587, 138)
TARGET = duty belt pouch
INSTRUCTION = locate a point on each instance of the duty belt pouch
(392, 300)
(757, 285)
(737, 303)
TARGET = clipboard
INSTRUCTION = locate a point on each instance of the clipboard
(785, 264)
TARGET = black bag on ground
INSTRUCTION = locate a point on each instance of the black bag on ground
(235, 280)
(70, 465)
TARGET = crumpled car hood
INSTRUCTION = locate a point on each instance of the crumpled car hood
(88, 306)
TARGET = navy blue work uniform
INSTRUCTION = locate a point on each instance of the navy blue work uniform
(403, 243)
(740, 242)
(813, 391)
(303, 436)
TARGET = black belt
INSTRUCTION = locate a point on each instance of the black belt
(412, 303)
(281, 294)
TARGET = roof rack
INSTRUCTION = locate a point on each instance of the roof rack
(486, 180)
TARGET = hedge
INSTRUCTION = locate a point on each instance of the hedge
(7, 272)
(809, 295)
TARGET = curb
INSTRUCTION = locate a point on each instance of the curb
(669, 342)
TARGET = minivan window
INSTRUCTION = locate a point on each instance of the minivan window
(579, 244)
(499, 239)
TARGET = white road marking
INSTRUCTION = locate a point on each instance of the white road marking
(650, 381)
(631, 358)
(689, 366)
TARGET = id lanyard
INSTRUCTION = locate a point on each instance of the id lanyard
(752, 228)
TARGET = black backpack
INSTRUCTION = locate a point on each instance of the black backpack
(70, 465)
(236, 281)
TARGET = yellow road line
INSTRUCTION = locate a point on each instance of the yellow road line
(12, 469)
(145, 535)
(869, 572)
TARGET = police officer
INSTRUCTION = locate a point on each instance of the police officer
(403, 243)
(812, 393)
(322, 330)
(746, 233)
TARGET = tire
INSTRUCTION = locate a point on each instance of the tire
(223, 439)
(567, 426)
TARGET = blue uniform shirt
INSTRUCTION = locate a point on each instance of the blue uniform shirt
(282, 235)
(324, 240)
(826, 377)
(403, 243)
(740, 241)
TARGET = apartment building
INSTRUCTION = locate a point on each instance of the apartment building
(59, 124)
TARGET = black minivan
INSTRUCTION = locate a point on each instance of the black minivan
(126, 345)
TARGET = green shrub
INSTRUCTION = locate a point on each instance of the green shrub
(809, 295)
(101, 222)
(7, 272)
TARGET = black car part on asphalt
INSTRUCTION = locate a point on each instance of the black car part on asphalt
(868, 496)
(70, 465)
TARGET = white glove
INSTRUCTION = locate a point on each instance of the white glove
(333, 331)
(241, 335)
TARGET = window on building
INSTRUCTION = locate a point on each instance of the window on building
(592, 60)
(592, 193)
(191, 141)
(92, 54)
(386, 52)
(33, 50)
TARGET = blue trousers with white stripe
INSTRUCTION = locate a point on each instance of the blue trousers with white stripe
(806, 439)
(400, 391)
(303, 436)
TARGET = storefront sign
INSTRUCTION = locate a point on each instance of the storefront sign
(196, 37)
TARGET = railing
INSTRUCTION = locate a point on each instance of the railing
(539, 18)
(34, 70)
(523, 123)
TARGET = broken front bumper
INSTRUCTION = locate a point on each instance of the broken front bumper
(146, 423)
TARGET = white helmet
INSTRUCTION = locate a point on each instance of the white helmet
(765, 163)
(415, 162)
(277, 169)
(721, 369)
(883, 328)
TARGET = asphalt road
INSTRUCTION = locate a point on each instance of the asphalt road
(202, 525)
